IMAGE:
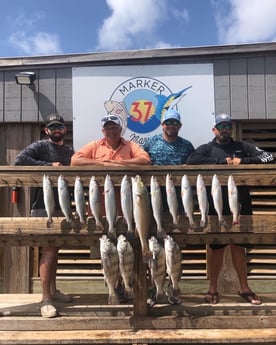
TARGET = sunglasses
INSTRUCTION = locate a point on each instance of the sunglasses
(55, 127)
(110, 118)
(222, 126)
(172, 123)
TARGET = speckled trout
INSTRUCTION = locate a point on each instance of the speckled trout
(49, 200)
(233, 199)
(95, 202)
(126, 203)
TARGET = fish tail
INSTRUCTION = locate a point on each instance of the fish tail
(113, 299)
(50, 222)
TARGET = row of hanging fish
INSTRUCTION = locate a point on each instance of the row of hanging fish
(137, 203)
(187, 198)
(118, 268)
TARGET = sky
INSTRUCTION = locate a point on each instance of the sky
(45, 27)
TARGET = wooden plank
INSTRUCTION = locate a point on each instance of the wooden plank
(249, 174)
(141, 337)
(60, 239)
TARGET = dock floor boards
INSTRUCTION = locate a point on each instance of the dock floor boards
(89, 320)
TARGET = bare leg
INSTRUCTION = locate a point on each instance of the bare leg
(47, 270)
(239, 263)
(215, 265)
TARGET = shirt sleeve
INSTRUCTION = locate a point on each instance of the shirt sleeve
(87, 151)
(138, 152)
(31, 155)
(201, 156)
(255, 155)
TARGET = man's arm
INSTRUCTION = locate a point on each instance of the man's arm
(30, 156)
(201, 156)
(256, 155)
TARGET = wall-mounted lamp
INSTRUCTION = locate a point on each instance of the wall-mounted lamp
(25, 78)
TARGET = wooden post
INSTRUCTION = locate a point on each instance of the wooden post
(140, 282)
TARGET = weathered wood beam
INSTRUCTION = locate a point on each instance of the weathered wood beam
(21, 231)
(31, 176)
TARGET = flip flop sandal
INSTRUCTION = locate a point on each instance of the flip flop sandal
(211, 297)
(250, 297)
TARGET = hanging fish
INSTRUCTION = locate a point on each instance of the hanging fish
(49, 200)
(79, 199)
(126, 264)
(157, 205)
(141, 212)
(95, 202)
(187, 200)
(172, 200)
(64, 199)
(126, 203)
(233, 199)
(216, 193)
(202, 200)
(157, 267)
(110, 205)
(110, 264)
(173, 268)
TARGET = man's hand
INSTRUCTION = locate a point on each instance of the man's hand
(233, 161)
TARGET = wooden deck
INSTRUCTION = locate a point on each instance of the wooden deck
(88, 320)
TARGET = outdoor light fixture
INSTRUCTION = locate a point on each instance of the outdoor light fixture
(25, 78)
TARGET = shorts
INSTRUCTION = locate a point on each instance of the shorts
(41, 212)
(220, 246)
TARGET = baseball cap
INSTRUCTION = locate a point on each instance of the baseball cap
(54, 118)
(222, 118)
(171, 114)
(110, 118)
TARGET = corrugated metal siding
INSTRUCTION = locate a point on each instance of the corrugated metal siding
(51, 92)
(245, 81)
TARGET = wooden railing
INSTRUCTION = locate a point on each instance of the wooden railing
(21, 230)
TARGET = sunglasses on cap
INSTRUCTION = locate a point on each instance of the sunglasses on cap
(171, 123)
(222, 126)
(110, 118)
(56, 126)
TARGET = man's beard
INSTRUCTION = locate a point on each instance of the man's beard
(223, 139)
(56, 138)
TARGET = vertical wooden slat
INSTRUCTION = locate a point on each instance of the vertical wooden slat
(17, 260)
(140, 282)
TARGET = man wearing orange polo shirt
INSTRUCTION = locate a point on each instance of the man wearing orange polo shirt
(112, 149)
